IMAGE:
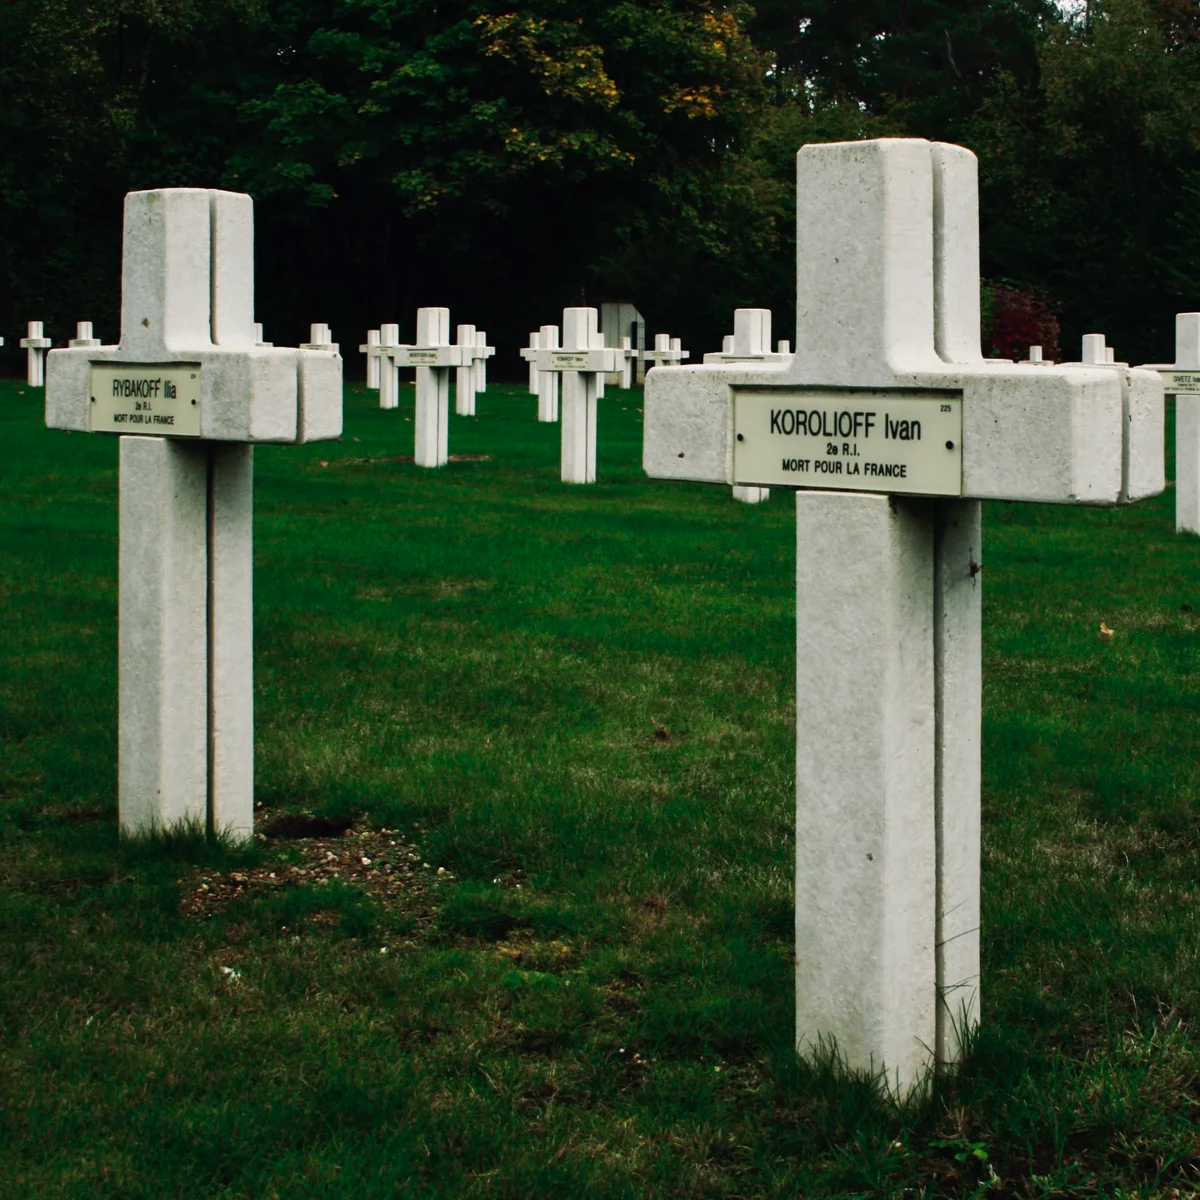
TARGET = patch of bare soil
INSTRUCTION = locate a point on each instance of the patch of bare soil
(379, 861)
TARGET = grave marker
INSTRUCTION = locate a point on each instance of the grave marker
(434, 357)
(83, 336)
(471, 375)
(750, 342)
(667, 352)
(464, 376)
(547, 381)
(529, 354)
(482, 353)
(35, 344)
(391, 350)
(189, 379)
(371, 350)
(320, 338)
(889, 400)
(582, 361)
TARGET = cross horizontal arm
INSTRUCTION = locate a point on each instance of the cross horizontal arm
(187, 298)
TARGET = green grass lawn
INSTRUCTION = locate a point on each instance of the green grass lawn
(579, 703)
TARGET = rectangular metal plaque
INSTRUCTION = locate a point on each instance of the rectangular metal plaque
(423, 358)
(569, 360)
(156, 398)
(1180, 383)
(849, 439)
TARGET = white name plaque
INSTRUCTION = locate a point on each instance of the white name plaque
(423, 358)
(1180, 383)
(154, 398)
(569, 360)
(849, 439)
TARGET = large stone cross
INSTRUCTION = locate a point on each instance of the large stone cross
(893, 428)
(192, 391)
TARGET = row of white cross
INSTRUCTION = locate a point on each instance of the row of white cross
(886, 422)
(578, 357)
(36, 344)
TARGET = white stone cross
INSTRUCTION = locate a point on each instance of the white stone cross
(482, 353)
(371, 350)
(1096, 351)
(464, 376)
(667, 352)
(35, 344)
(320, 337)
(889, 401)
(471, 376)
(190, 383)
(258, 335)
(628, 362)
(434, 357)
(529, 354)
(545, 339)
(582, 360)
(83, 336)
(1181, 379)
(750, 340)
(390, 351)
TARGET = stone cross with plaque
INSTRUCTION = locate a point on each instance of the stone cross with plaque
(471, 376)
(434, 357)
(389, 350)
(891, 427)
(189, 392)
(582, 360)
(371, 349)
(543, 384)
(35, 344)
(628, 363)
(667, 352)
(481, 355)
(548, 381)
(529, 354)
(465, 376)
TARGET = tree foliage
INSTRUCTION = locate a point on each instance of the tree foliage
(509, 159)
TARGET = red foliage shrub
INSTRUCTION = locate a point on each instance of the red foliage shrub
(1016, 318)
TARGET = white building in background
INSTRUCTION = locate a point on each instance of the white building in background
(620, 319)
